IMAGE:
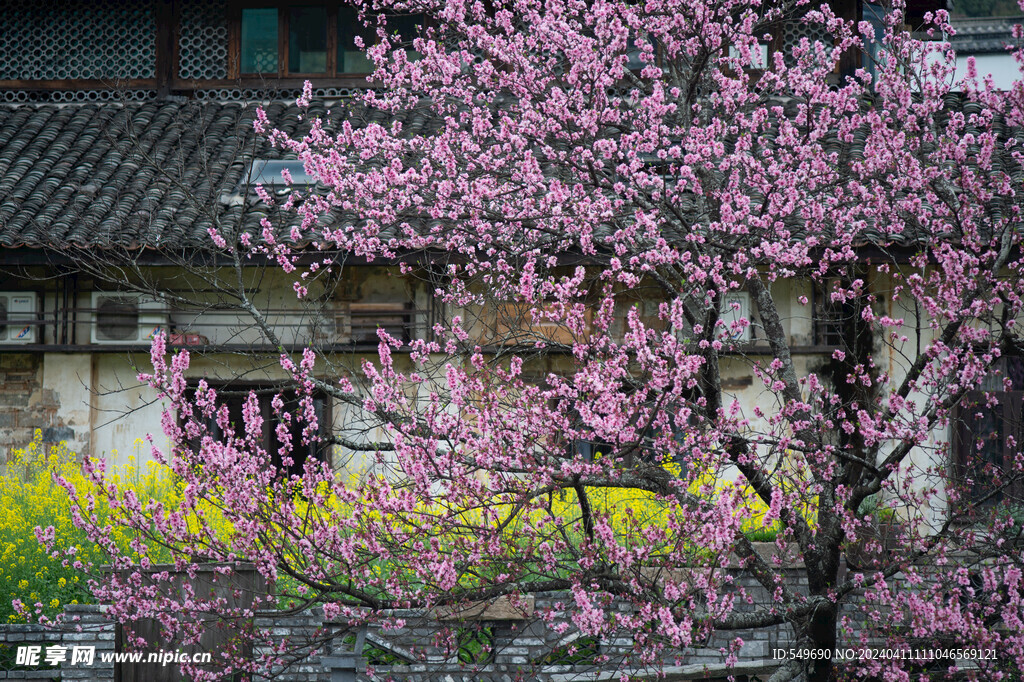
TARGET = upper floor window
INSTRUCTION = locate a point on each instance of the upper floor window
(259, 44)
(299, 40)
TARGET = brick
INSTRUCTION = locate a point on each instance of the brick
(56, 434)
(754, 650)
(18, 361)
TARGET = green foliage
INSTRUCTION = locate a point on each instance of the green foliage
(768, 534)
(1015, 512)
(29, 497)
(581, 651)
(476, 645)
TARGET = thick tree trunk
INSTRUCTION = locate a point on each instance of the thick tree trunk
(818, 632)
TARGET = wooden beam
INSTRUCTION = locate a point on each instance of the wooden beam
(166, 29)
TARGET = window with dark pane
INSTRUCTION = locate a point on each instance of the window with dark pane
(307, 39)
(988, 434)
(829, 316)
(259, 40)
(234, 398)
(405, 26)
(352, 59)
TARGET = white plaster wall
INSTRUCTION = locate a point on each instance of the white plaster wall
(293, 320)
(123, 409)
(934, 453)
(1001, 67)
(69, 377)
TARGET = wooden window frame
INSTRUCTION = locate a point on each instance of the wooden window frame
(1010, 411)
(283, 75)
(265, 392)
(235, 40)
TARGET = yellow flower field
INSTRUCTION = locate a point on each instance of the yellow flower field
(30, 498)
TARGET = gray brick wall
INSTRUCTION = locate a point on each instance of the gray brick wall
(414, 654)
(86, 627)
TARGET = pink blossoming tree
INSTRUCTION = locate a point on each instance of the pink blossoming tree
(624, 177)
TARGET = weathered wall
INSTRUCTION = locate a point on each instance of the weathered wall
(22, 408)
(67, 381)
(48, 392)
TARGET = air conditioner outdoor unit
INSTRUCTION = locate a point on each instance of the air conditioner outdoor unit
(18, 311)
(126, 318)
(731, 313)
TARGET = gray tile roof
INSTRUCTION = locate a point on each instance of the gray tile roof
(159, 174)
(984, 35)
(152, 174)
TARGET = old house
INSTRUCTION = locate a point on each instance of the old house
(126, 136)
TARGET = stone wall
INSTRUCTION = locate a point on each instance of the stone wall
(520, 645)
(87, 628)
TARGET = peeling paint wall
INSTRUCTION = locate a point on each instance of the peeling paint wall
(67, 379)
(23, 406)
(39, 392)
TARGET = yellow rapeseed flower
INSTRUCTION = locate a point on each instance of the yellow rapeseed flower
(30, 498)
